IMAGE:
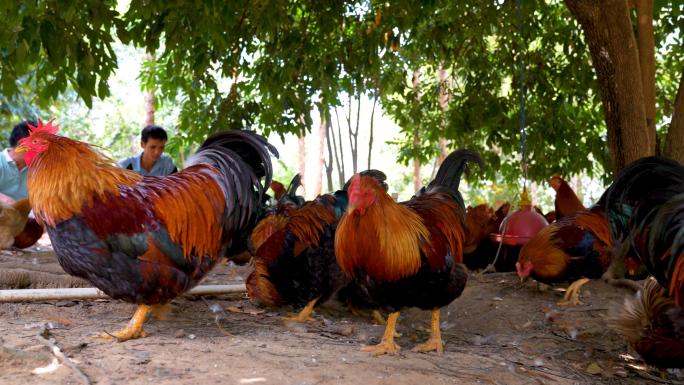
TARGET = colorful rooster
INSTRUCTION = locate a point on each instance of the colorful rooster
(296, 265)
(144, 240)
(406, 254)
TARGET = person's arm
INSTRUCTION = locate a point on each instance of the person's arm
(6, 199)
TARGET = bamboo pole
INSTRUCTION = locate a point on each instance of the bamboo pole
(93, 293)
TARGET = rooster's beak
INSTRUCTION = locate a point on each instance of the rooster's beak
(631, 271)
(20, 148)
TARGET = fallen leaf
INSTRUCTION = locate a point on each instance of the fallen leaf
(250, 312)
(64, 321)
(594, 368)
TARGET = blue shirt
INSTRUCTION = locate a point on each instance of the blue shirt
(12, 181)
(163, 166)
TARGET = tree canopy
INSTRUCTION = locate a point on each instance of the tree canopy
(266, 63)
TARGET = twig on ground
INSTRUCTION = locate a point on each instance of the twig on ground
(43, 338)
(221, 329)
(22, 354)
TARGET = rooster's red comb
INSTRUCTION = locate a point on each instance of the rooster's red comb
(49, 128)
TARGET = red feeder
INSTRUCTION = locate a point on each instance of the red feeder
(522, 225)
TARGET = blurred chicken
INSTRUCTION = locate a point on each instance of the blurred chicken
(30, 235)
(277, 216)
(646, 204)
(13, 219)
(550, 216)
(480, 220)
(279, 189)
(567, 201)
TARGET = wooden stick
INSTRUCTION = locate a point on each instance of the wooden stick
(43, 336)
(93, 293)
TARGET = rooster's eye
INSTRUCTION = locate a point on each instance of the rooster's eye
(35, 141)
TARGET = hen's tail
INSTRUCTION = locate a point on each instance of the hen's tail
(242, 158)
(646, 201)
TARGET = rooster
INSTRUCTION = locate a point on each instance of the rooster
(479, 223)
(30, 235)
(279, 190)
(144, 240)
(406, 254)
(277, 216)
(567, 201)
(296, 265)
(13, 219)
(646, 203)
(575, 248)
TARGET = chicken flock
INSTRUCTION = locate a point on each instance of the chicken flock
(162, 235)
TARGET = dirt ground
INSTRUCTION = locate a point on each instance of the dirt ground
(498, 332)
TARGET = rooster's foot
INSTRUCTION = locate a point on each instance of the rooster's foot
(304, 315)
(431, 344)
(384, 347)
(354, 310)
(387, 345)
(435, 341)
(571, 297)
(133, 330)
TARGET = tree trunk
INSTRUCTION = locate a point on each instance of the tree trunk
(417, 179)
(630, 95)
(444, 104)
(320, 161)
(148, 100)
(623, 147)
(301, 161)
(646, 47)
(353, 135)
(674, 144)
(339, 161)
(329, 163)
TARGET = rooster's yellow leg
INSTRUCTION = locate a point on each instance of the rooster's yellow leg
(573, 293)
(435, 341)
(304, 315)
(354, 310)
(377, 319)
(387, 345)
(134, 329)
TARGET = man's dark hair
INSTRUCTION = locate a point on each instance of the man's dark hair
(154, 132)
(20, 132)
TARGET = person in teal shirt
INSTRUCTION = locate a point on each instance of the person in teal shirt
(152, 161)
(13, 169)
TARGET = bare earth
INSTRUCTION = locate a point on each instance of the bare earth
(497, 332)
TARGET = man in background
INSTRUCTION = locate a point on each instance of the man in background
(13, 170)
(152, 161)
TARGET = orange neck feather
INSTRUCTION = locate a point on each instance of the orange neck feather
(69, 174)
(266, 228)
(593, 220)
(306, 222)
(386, 241)
(548, 260)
